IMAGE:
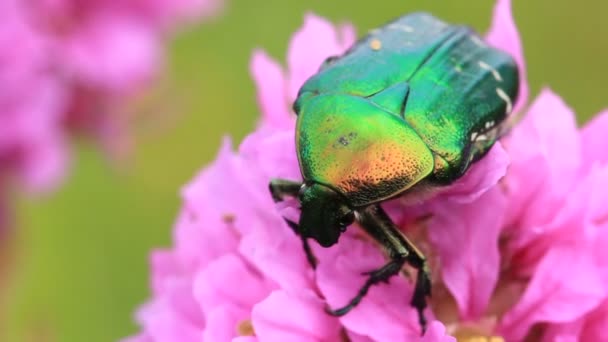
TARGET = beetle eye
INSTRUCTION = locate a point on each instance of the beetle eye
(346, 220)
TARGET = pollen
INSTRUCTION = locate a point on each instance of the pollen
(474, 333)
(245, 328)
(375, 44)
(482, 339)
(228, 218)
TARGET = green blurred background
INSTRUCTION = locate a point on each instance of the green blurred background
(80, 257)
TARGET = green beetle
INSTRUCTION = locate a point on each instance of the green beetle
(404, 111)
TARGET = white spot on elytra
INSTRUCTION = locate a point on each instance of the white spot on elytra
(481, 137)
(402, 27)
(473, 136)
(488, 67)
(406, 28)
(501, 93)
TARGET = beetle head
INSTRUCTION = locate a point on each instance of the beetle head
(325, 214)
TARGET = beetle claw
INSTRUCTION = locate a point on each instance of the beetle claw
(339, 312)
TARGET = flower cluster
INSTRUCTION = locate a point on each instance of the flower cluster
(66, 66)
(518, 246)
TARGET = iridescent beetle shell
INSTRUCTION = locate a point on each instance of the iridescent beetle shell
(416, 101)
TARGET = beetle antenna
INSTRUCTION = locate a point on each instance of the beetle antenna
(312, 260)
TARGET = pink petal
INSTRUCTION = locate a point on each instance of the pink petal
(283, 262)
(353, 337)
(565, 286)
(565, 332)
(482, 176)
(555, 127)
(111, 52)
(245, 339)
(316, 40)
(271, 90)
(175, 290)
(45, 163)
(274, 154)
(222, 323)
(201, 237)
(205, 228)
(601, 245)
(228, 188)
(229, 281)
(545, 158)
(163, 324)
(591, 327)
(503, 35)
(238, 186)
(595, 325)
(268, 156)
(436, 332)
(294, 317)
(523, 183)
(174, 286)
(594, 141)
(32, 145)
(164, 266)
(384, 314)
(467, 243)
(596, 217)
(568, 225)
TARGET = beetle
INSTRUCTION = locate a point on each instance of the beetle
(405, 111)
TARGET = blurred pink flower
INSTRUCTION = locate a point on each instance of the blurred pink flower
(104, 52)
(31, 143)
(68, 66)
(516, 246)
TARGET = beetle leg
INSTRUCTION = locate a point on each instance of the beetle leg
(382, 274)
(279, 188)
(400, 250)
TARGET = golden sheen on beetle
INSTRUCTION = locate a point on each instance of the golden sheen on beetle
(407, 109)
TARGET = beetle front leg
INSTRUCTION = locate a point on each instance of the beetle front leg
(279, 188)
(400, 250)
(381, 275)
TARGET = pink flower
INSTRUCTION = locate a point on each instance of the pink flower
(31, 143)
(517, 246)
(69, 66)
(105, 52)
